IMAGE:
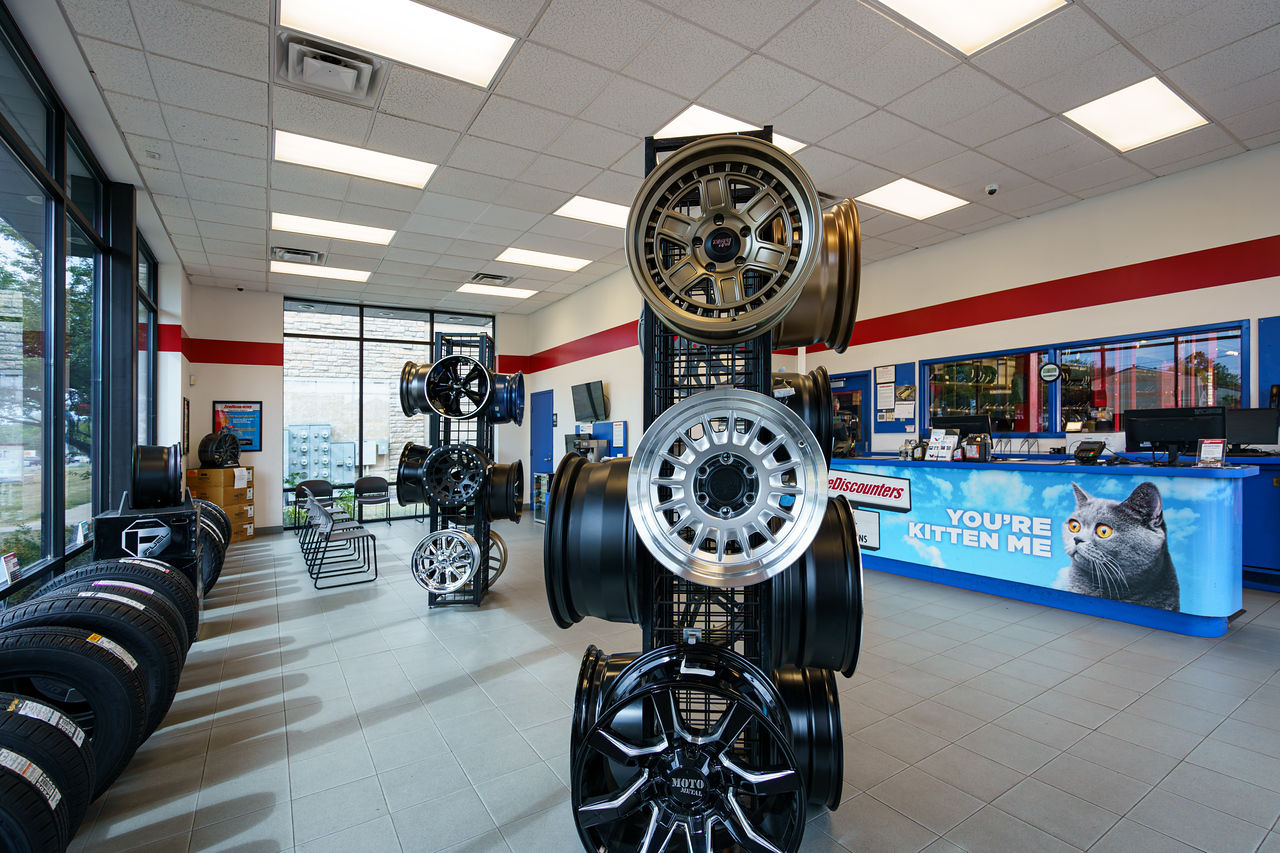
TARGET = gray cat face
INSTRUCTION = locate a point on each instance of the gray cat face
(1115, 539)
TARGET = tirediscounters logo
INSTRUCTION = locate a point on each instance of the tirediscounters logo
(891, 493)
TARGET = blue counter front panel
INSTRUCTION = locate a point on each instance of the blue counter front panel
(1014, 523)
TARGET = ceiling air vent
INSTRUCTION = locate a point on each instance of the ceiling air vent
(490, 279)
(296, 256)
(325, 69)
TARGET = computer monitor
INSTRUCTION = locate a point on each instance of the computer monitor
(966, 425)
(1252, 426)
(1172, 431)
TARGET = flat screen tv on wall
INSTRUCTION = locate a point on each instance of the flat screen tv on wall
(589, 402)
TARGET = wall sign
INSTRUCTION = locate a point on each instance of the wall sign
(1050, 372)
(242, 418)
(871, 490)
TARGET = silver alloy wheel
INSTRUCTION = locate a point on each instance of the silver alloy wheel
(727, 488)
(722, 237)
(445, 560)
(497, 556)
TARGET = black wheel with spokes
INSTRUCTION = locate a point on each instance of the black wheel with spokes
(809, 396)
(458, 387)
(508, 399)
(720, 776)
(454, 474)
(219, 449)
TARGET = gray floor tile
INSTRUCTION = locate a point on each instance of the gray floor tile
(1206, 828)
(551, 831)
(1128, 836)
(972, 773)
(266, 831)
(1240, 799)
(1099, 785)
(991, 829)
(1058, 813)
(375, 836)
(928, 801)
(1010, 749)
(336, 809)
(865, 823)
(522, 794)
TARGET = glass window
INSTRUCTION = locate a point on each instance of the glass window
(1006, 387)
(22, 105)
(397, 325)
(83, 186)
(80, 375)
(321, 318)
(22, 349)
(146, 336)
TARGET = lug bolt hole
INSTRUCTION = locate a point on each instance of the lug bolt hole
(702, 472)
(744, 231)
(718, 219)
(750, 471)
(697, 242)
(725, 458)
(702, 497)
(724, 512)
(711, 267)
(739, 260)
(751, 497)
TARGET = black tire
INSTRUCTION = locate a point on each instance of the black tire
(153, 574)
(97, 688)
(45, 736)
(142, 632)
(27, 823)
(212, 549)
(142, 594)
(218, 516)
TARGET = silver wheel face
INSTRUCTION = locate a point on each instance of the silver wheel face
(497, 556)
(722, 237)
(727, 488)
(445, 560)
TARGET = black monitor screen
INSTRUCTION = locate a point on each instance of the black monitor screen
(966, 425)
(1172, 431)
(582, 409)
(1252, 426)
(599, 403)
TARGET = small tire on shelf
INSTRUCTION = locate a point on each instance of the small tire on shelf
(51, 740)
(504, 497)
(157, 476)
(143, 576)
(29, 821)
(816, 735)
(95, 683)
(219, 449)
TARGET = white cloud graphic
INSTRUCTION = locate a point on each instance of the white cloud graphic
(929, 553)
(1180, 523)
(997, 490)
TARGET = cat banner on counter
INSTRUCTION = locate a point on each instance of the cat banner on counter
(1165, 542)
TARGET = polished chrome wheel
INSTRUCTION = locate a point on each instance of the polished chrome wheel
(727, 488)
(722, 237)
(497, 556)
(445, 560)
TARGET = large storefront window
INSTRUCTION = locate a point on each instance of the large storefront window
(1005, 387)
(80, 372)
(146, 358)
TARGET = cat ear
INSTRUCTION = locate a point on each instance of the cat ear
(1145, 500)
(1082, 497)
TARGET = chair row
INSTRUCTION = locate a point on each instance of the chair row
(334, 546)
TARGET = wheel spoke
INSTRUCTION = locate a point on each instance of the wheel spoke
(743, 833)
(608, 809)
(734, 719)
(667, 715)
(771, 780)
(616, 748)
(728, 288)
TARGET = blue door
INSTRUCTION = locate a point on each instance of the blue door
(540, 432)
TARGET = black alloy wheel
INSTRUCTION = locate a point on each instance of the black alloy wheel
(458, 387)
(157, 476)
(454, 474)
(504, 500)
(508, 399)
(809, 396)
(219, 449)
(816, 735)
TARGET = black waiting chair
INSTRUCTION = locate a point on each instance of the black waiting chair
(334, 548)
(371, 491)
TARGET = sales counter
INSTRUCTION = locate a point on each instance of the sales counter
(1152, 545)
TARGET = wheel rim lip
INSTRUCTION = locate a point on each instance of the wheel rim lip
(676, 167)
(553, 544)
(426, 551)
(408, 373)
(811, 478)
(412, 460)
(480, 408)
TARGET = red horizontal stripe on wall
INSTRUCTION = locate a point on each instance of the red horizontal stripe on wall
(610, 340)
(173, 338)
(170, 338)
(513, 364)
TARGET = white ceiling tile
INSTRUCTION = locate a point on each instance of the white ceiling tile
(960, 92)
(191, 256)
(823, 165)
(563, 228)
(508, 217)
(819, 114)
(196, 269)
(1015, 201)
(975, 189)
(411, 139)
(965, 167)
(1059, 42)
(254, 251)
(509, 121)
(1027, 144)
(544, 243)
(254, 10)
(235, 262)
(471, 249)
(901, 65)
(433, 100)
(210, 91)
(513, 17)
(207, 163)
(409, 256)
(556, 174)
(139, 146)
(1109, 71)
(119, 69)
(584, 142)
(1096, 174)
(563, 287)
(606, 32)
(136, 116)
(305, 205)
(186, 242)
(451, 268)
(749, 22)
(208, 211)
(757, 90)
(633, 107)
(631, 163)
(181, 31)
(614, 187)
(308, 115)
(1193, 143)
(998, 219)
(528, 197)
(1082, 152)
(422, 225)
(475, 154)
(162, 182)
(1010, 113)
(361, 250)
(240, 233)
(375, 217)
(111, 20)
(963, 217)
(421, 242)
(685, 59)
(1231, 67)
(468, 185)
(1046, 206)
(410, 270)
(603, 235)
(387, 281)
(225, 192)
(178, 225)
(874, 134)
(862, 178)
(536, 275)
(1205, 30)
(173, 206)
(208, 131)
(1103, 189)
(831, 36)
(883, 222)
(315, 182)
(350, 262)
(1132, 19)
(600, 269)
(383, 194)
(576, 82)
(919, 234)
(923, 150)
(450, 207)
(1254, 126)
(489, 234)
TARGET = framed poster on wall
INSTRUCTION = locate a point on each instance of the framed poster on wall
(186, 426)
(242, 418)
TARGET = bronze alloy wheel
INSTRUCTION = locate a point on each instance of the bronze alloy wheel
(828, 303)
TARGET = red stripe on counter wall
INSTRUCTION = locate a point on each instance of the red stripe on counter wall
(610, 340)
(212, 351)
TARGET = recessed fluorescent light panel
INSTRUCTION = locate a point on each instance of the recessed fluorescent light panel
(594, 210)
(489, 290)
(1138, 115)
(350, 160)
(319, 272)
(542, 259)
(971, 25)
(911, 199)
(405, 31)
(700, 121)
(329, 228)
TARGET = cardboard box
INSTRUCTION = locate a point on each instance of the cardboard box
(241, 532)
(239, 514)
(230, 478)
(223, 496)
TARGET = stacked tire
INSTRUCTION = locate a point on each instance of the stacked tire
(89, 666)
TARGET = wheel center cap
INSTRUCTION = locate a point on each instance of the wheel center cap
(722, 245)
(726, 485)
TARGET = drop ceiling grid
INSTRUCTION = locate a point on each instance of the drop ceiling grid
(562, 118)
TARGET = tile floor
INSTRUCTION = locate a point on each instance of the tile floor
(359, 720)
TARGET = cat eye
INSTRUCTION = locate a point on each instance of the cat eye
(1103, 531)
(1073, 526)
